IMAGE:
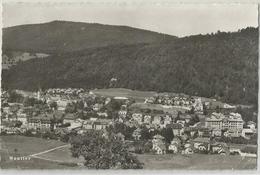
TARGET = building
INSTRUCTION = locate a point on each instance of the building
(137, 134)
(177, 129)
(158, 144)
(201, 143)
(137, 117)
(233, 123)
(100, 124)
(147, 119)
(43, 122)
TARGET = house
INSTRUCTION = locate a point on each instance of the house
(150, 100)
(97, 107)
(216, 132)
(218, 148)
(137, 134)
(175, 144)
(191, 131)
(158, 144)
(122, 113)
(198, 106)
(185, 117)
(167, 119)
(156, 119)
(102, 114)
(147, 119)
(176, 140)
(247, 133)
(201, 143)
(177, 129)
(188, 150)
(120, 136)
(204, 132)
(137, 117)
(88, 124)
(160, 148)
(251, 125)
(173, 148)
(62, 103)
(100, 124)
(71, 119)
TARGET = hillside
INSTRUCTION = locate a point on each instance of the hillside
(63, 36)
(221, 64)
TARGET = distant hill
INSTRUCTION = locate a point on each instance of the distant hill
(64, 36)
(223, 65)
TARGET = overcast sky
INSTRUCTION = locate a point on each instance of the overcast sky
(178, 20)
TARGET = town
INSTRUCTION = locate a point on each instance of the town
(182, 125)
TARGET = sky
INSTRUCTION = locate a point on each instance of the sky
(175, 19)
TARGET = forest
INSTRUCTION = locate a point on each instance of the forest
(221, 65)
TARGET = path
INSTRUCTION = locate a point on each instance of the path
(49, 150)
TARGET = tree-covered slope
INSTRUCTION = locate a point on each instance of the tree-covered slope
(64, 36)
(223, 64)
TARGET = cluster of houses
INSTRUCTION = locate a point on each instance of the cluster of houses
(181, 101)
(189, 137)
(204, 145)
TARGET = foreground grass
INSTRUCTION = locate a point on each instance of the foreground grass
(197, 162)
(21, 146)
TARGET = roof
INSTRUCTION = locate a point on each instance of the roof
(202, 139)
(70, 116)
(249, 149)
(251, 122)
(190, 129)
(185, 116)
(175, 126)
(157, 136)
(162, 146)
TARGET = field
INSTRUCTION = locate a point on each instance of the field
(197, 162)
(139, 96)
(44, 154)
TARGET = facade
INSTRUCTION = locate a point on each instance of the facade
(137, 117)
(233, 123)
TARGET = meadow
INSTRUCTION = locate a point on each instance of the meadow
(197, 162)
(21, 146)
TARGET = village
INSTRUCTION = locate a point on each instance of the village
(199, 128)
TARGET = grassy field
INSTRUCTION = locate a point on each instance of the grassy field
(25, 146)
(139, 96)
(197, 162)
(61, 155)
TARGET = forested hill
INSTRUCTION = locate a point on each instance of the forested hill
(65, 36)
(221, 64)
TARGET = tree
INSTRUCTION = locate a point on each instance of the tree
(145, 134)
(70, 108)
(205, 111)
(14, 97)
(217, 109)
(167, 133)
(18, 124)
(178, 116)
(192, 110)
(103, 152)
(54, 105)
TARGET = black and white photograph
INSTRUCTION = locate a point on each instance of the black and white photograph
(124, 85)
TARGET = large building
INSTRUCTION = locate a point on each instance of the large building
(218, 121)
